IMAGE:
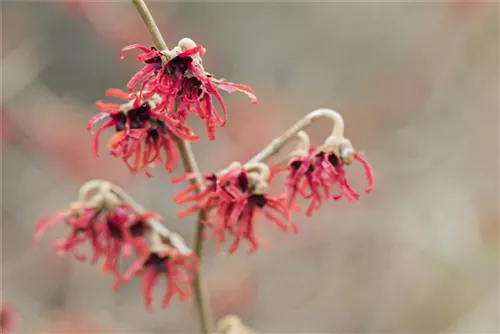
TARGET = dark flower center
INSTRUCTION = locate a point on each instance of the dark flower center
(138, 116)
(259, 200)
(120, 120)
(157, 128)
(153, 134)
(153, 60)
(295, 165)
(157, 262)
(334, 160)
(136, 230)
(243, 182)
(193, 88)
(114, 230)
(178, 65)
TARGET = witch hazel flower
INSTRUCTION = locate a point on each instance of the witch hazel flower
(233, 201)
(249, 191)
(201, 200)
(313, 172)
(177, 266)
(116, 227)
(101, 220)
(183, 85)
(142, 138)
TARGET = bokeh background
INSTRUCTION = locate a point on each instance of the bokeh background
(418, 85)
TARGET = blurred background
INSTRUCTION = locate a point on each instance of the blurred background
(418, 85)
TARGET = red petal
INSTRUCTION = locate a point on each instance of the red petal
(140, 75)
(103, 127)
(231, 87)
(115, 92)
(133, 47)
(108, 107)
(191, 52)
(370, 176)
(94, 119)
(148, 283)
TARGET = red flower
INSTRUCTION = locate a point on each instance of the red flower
(7, 321)
(313, 176)
(179, 270)
(184, 87)
(141, 135)
(79, 219)
(152, 59)
(232, 202)
(105, 231)
(190, 194)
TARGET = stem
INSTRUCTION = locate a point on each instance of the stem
(151, 24)
(190, 166)
(278, 143)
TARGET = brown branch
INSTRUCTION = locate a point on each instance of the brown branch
(292, 132)
(190, 166)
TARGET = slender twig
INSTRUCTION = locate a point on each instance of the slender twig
(190, 166)
(291, 133)
(151, 25)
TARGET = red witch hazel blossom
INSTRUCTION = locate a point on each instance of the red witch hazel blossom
(103, 223)
(141, 136)
(184, 87)
(313, 172)
(178, 269)
(201, 200)
(116, 229)
(233, 201)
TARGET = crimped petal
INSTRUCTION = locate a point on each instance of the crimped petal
(231, 87)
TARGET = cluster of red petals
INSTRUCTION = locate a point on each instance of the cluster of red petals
(110, 234)
(231, 207)
(114, 236)
(142, 137)
(183, 85)
(178, 269)
(314, 176)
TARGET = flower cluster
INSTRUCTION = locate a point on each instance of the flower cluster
(233, 196)
(178, 268)
(172, 85)
(115, 230)
(312, 174)
(177, 76)
(141, 136)
(151, 127)
(237, 197)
